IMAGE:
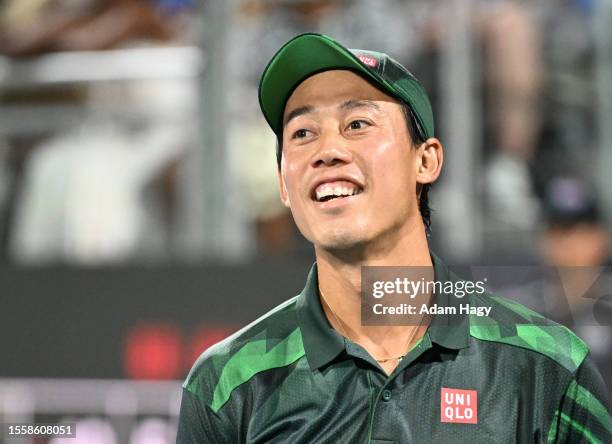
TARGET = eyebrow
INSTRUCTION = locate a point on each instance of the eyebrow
(298, 112)
(352, 104)
(348, 105)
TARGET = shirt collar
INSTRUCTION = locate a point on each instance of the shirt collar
(322, 343)
(448, 330)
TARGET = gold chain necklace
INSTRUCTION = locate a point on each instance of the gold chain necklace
(345, 334)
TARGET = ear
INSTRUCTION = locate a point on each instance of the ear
(284, 196)
(429, 160)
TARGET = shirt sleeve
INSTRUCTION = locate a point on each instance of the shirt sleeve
(584, 414)
(199, 424)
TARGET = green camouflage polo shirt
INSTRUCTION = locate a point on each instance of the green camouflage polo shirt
(289, 377)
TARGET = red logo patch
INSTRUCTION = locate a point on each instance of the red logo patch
(370, 61)
(459, 406)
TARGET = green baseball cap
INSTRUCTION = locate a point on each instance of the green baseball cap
(310, 53)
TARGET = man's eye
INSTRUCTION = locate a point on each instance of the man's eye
(358, 124)
(300, 134)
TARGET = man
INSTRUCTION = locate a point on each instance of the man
(356, 156)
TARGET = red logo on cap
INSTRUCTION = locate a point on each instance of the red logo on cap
(459, 406)
(370, 61)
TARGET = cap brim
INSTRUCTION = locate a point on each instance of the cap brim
(300, 58)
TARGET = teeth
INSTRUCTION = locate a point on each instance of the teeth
(324, 191)
(328, 190)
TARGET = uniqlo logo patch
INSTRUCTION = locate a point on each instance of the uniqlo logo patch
(459, 406)
(370, 61)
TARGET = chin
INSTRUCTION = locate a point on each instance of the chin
(340, 240)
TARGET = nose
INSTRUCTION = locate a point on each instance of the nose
(332, 151)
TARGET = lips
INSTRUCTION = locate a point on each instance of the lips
(335, 188)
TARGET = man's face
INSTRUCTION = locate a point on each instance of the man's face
(348, 170)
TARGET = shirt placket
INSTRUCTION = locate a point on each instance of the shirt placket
(384, 390)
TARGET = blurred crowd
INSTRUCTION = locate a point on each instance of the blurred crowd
(90, 144)
(103, 183)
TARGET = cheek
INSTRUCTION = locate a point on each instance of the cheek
(391, 167)
(293, 174)
(290, 180)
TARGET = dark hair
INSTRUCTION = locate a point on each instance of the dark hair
(417, 139)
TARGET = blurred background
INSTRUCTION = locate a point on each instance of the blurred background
(139, 214)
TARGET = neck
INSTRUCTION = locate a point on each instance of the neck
(339, 275)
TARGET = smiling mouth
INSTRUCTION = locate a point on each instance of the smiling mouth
(338, 190)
